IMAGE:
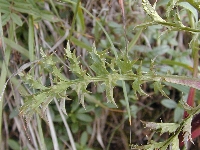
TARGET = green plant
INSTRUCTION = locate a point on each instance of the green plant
(55, 82)
(39, 101)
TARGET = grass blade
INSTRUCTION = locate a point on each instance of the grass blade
(4, 69)
(31, 38)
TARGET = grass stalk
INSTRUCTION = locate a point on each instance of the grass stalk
(43, 145)
(66, 126)
(52, 130)
(31, 38)
(4, 69)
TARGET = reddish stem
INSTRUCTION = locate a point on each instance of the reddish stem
(190, 100)
(195, 129)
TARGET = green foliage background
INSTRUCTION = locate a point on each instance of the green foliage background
(69, 80)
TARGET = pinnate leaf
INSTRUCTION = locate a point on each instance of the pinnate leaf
(62, 106)
(110, 84)
(171, 4)
(175, 143)
(136, 85)
(59, 88)
(153, 146)
(32, 82)
(80, 89)
(57, 73)
(186, 107)
(187, 131)
(158, 87)
(187, 81)
(151, 11)
(163, 127)
(125, 65)
(98, 65)
(74, 63)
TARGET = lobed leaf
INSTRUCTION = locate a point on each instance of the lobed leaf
(175, 143)
(187, 131)
(80, 88)
(182, 80)
(110, 84)
(158, 87)
(163, 127)
(175, 26)
(98, 65)
(171, 4)
(136, 85)
(32, 82)
(186, 107)
(59, 88)
(125, 65)
(57, 73)
(62, 106)
(74, 63)
(32, 104)
(151, 11)
(153, 146)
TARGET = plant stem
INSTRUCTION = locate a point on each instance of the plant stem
(195, 54)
